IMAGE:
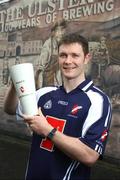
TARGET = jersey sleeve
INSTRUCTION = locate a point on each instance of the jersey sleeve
(97, 124)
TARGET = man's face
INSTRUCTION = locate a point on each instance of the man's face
(72, 60)
(59, 32)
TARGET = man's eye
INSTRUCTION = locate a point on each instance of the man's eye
(62, 55)
(75, 55)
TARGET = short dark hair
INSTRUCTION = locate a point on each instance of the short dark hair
(62, 23)
(75, 38)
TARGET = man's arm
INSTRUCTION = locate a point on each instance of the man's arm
(71, 146)
(75, 149)
(11, 100)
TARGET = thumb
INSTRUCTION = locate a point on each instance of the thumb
(39, 111)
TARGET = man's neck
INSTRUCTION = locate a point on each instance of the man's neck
(70, 84)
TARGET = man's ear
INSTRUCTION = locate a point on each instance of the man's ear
(88, 64)
(88, 57)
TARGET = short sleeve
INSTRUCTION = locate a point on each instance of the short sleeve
(97, 124)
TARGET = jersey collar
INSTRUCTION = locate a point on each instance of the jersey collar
(85, 85)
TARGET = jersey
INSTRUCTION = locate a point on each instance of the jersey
(85, 113)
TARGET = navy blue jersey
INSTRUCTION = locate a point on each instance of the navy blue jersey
(85, 113)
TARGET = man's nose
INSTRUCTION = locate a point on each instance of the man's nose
(68, 59)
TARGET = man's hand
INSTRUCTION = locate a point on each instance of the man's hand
(38, 123)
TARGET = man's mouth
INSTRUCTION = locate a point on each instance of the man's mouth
(68, 68)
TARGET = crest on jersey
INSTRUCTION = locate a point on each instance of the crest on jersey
(48, 105)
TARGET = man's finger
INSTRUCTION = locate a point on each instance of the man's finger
(27, 117)
(39, 111)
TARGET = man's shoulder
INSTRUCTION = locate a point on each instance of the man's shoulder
(40, 92)
(99, 91)
(98, 94)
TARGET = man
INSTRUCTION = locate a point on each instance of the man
(71, 128)
(48, 72)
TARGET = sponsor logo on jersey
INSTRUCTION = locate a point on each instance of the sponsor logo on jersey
(48, 105)
(64, 103)
(75, 109)
(104, 135)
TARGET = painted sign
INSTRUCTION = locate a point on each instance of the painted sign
(30, 30)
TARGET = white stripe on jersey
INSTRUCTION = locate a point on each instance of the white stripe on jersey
(67, 171)
(98, 149)
(109, 110)
(72, 166)
(87, 86)
(108, 117)
(71, 170)
(98, 89)
(95, 111)
(40, 92)
(101, 150)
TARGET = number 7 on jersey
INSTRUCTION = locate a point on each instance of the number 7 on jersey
(56, 123)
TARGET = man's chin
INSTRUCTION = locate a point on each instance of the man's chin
(69, 77)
